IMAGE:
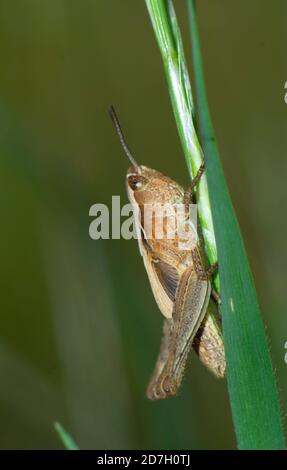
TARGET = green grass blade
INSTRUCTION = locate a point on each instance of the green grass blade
(251, 381)
(66, 439)
(252, 388)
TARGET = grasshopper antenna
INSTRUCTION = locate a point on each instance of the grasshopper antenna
(119, 131)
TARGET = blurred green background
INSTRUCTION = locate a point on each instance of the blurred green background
(80, 330)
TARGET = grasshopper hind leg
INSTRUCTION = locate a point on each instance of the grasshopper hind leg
(152, 389)
(190, 305)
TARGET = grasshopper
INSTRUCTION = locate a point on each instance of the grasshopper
(179, 278)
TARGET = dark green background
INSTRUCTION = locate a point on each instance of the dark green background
(79, 329)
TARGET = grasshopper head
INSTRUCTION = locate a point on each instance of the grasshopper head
(148, 186)
(144, 185)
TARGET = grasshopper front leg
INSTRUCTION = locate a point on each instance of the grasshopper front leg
(189, 192)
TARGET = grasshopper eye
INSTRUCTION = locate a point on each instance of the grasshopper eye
(136, 182)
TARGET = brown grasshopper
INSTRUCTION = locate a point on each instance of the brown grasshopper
(178, 277)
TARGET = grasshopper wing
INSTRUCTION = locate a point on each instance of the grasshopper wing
(163, 278)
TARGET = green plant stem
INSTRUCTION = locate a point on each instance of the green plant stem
(170, 44)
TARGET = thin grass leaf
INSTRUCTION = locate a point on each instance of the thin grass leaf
(66, 439)
(252, 388)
